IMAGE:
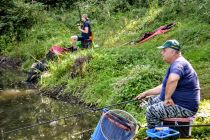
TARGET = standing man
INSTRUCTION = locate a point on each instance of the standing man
(179, 93)
(85, 31)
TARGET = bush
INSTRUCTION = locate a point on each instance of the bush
(16, 17)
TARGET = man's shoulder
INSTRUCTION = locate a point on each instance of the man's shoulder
(181, 61)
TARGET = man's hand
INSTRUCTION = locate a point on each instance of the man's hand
(141, 96)
(168, 102)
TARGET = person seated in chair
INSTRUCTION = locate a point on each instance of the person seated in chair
(85, 32)
(179, 94)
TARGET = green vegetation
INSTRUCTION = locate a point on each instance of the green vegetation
(115, 73)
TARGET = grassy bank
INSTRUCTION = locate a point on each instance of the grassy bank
(118, 73)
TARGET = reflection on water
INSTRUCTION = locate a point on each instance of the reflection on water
(27, 109)
(8, 94)
(19, 108)
(11, 78)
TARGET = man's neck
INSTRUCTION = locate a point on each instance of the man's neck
(175, 58)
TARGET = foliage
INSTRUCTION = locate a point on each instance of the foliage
(139, 79)
(17, 16)
(203, 118)
(56, 3)
(118, 70)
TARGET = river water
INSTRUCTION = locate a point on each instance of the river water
(21, 108)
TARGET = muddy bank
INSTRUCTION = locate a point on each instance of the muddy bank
(58, 94)
(10, 74)
(13, 64)
(9, 63)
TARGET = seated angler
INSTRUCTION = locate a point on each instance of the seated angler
(179, 94)
(85, 32)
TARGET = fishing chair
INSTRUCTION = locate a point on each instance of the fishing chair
(87, 43)
(185, 131)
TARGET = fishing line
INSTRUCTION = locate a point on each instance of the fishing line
(95, 110)
(190, 125)
(84, 131)
(65, 117)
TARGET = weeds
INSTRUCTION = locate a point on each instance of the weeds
(118, 73)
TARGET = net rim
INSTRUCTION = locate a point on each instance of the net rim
(117, 110)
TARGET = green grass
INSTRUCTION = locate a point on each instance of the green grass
(118, 73)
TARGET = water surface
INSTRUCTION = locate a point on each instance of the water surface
(20, 107)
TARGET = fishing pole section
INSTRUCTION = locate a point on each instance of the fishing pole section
(3, 133)
(115, 124)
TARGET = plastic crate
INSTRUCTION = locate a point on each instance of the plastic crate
(161, 132)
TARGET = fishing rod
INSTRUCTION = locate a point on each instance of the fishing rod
(175, 125)
(94, 110)
(35, 58)
(80, 16)
(108, 106)
(65, 117)
(159, 128)
(98, 109)
(132, 42)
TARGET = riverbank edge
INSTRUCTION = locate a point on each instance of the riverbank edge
(58, 94)
(9, 62)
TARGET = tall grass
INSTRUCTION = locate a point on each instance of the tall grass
(118, 73)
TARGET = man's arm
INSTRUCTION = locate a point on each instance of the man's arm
(150, 92)
(170, 88)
